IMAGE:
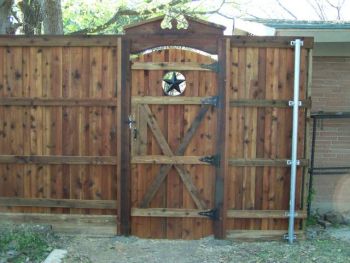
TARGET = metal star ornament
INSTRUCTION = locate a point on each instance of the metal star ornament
(175, 84)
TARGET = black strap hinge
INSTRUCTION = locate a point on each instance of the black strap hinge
(212, 214)
(211, 159)
(211, 101)
(213, 66)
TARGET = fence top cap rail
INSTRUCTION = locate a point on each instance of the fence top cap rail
(59, 40)
(269, 41)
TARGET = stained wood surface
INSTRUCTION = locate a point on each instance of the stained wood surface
(58, 128)
(266, 103)
(195, 26)
(66, 203)
(261, 82)
(248, 214)
(123, 138)
(64, 137)
(88, 225)
(59, 41)
(170, 66)
(20, 101)
(269, 41)
(169, 100)
(175, 129)
(261, 235)
(51, 159)
(308, 135)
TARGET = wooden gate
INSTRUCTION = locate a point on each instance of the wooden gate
(173, 143)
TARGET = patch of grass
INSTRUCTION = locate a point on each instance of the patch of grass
(330, 249)
(23, 244)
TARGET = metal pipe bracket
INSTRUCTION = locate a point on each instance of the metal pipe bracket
(286, 237)
(291, 103)
(289, 162)
(292, 43)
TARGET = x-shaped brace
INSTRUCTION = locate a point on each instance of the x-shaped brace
(165, 169)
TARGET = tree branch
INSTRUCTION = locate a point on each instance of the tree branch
(318, 8)
(124, 12)
(337, 7)
(147, 13)
(286, 9)
(99, 28)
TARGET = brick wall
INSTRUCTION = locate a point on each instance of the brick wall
(332, 143)
(331, 84)
(331, 92)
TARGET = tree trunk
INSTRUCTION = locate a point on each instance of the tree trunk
(32, 17)
(5, 12)
(52, 17)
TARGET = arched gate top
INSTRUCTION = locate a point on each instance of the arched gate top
(195, 27)
(199, 34)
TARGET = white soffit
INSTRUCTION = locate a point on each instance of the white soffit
(254, 28)
(320, 35)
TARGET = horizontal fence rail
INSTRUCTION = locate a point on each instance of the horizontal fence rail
(58, 102)
(32, 159)
(231, 213)
(64, 203)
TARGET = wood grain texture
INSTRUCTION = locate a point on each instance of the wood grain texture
(165, 148)
(65, 143)
(66, 203)
(185, 213)
(260, 131)
(86, 225)
(70, 102)
(178, 186)
(54, 137)
(58, 41)
(170, 66)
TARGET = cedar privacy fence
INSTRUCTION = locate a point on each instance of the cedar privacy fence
(93, 140)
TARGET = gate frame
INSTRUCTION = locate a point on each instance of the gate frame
(200, 35)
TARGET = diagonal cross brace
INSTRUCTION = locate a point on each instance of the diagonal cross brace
(165, 169)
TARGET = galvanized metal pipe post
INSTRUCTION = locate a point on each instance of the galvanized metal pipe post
(294, 162)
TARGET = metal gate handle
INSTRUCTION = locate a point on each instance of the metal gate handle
(131, 122)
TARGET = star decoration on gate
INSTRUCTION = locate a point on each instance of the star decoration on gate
(173, 84)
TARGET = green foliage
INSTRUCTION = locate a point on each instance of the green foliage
(21, 243)
(311, 196)
(109, 17)
(311, 220)
(80, 14)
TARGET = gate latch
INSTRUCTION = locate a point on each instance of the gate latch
(212, 214)
(211, 159)
(131, 121)
(132, 126)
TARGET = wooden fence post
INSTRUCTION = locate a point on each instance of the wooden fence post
(124, 180)
(222, 131)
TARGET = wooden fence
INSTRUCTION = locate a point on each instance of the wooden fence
(59, 127)
(67, 156)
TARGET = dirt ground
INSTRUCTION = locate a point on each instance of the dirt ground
(331, 245)
(32, 244)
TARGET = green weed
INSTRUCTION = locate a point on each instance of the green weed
(311, 220)
(22, 244)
